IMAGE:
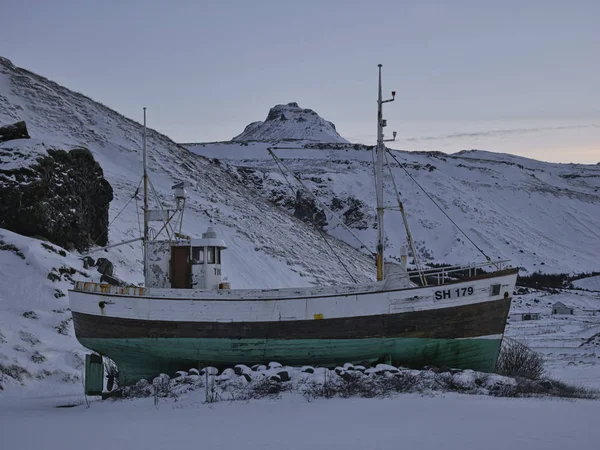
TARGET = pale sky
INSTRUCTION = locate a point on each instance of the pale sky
(519, 77)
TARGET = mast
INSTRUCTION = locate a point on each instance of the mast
(145, 244)
(380, 153)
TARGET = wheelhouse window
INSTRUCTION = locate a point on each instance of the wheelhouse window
(218, 255)
(197, 255)
(211, 255)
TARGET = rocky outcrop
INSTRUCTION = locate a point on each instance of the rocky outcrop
(62, 197)
(15, 131)
(306, 210)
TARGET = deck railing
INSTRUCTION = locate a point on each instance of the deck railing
(436, 275)
(105, 288)
(441, 274)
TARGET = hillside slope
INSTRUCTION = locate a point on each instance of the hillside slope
(267, 247)
(543, 216)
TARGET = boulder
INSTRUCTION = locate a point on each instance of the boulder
(247, 377)
(105, 267)
(88, 262)
(284, 375)
(241, 369)
(15, 131)
(62, 197)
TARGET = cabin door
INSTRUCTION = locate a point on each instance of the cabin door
(181, 268)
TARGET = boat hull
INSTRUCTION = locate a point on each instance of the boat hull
(139, 358)
(456, 325)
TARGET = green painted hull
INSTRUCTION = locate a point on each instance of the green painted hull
(139, 358)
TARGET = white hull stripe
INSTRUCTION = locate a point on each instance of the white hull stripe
(495, 337)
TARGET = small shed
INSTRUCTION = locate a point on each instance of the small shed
(561, 308)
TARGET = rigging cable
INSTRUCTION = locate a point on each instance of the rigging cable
(117, 216)
(440, 208)
(320, 232)
(280, 164)
(406, 226)
(112, 221)
(137, 210)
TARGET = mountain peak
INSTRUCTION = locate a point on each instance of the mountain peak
(291, 122)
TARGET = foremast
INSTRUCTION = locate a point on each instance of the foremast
(145, 238)
(380, 155)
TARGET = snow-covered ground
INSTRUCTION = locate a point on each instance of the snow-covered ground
(589, 283)
(37, 345)
(449, 421)
(569, 343)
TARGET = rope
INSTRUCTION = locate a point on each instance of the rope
(439, 207)
(320, 232)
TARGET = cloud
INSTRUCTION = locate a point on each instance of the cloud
(498, 133)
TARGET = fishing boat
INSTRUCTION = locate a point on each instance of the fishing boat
(185, 316)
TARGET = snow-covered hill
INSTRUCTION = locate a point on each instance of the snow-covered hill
(543, 216)
(290, 122)
(267, 247)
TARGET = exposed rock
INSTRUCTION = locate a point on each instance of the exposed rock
(15, 131)
(284, 375)
(241, 369)
(306, 210)
(354, 216)
(105, 267)
(62, 197)
(88, 262)
(247, 377)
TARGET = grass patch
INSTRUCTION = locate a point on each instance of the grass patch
(11, 248)
(14, 371)
(29, 338)
(63, 326)
(51, 249)
(37, 357)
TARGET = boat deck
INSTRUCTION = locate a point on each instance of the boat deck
(436, 277)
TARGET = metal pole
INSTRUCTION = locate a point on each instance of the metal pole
(111, 246)
(379, 183)
(379, 177)
(145, 201)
